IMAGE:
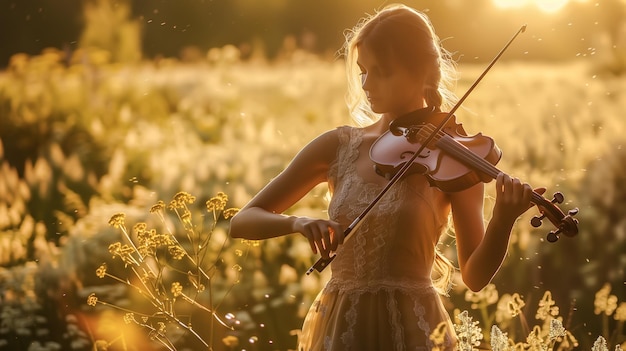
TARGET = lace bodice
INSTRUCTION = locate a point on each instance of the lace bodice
(380, 295)
(396, 242)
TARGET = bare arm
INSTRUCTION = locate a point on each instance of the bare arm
(481, 252)
(262, 217)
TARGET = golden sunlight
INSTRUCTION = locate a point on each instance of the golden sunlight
(548, 6)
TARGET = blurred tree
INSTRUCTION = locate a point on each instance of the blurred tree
(108, 26)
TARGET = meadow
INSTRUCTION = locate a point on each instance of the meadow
(90, 147)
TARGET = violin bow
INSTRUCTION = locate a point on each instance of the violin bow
(322, 262)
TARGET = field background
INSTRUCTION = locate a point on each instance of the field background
(105, 128)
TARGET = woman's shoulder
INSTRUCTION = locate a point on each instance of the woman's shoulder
(326, 145)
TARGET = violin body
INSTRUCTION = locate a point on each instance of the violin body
(397, 146)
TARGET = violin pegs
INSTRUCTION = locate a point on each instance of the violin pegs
(553, 236)
(558, 197)
(536, 220)
(573, 212)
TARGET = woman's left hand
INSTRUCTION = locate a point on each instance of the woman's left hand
(512, 197)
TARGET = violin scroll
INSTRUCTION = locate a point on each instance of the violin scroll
(565, 224)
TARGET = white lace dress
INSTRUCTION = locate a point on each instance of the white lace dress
(380, 295)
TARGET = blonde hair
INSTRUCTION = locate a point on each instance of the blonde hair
(406, 36)
(402, 35)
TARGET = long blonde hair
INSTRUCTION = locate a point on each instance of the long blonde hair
(400, 33)
(405, 35)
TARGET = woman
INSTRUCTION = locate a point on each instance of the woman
(386, 277)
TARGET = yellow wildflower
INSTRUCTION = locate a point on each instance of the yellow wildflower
(604, 302)
(101, 271)
(499, 339)
(101, 345)
(468, 332)
(229, 212)
(600, 344)
(176, 251)
(569, 342)
(556, 329)
(620, 312)
(117, 220)
(92, 299)
(547, 307)
(129, 318)
(534, 339)
(253, 243)
(438, 336)
(140, 228)
(516, 304)
(159, 206)
(485, 297)
(177, 289)
(181, 199)
(161, 329)
(123, 251)
(230, 341)
(217, 203)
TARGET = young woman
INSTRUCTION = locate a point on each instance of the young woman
(387, 276)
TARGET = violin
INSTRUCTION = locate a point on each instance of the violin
(453, 161)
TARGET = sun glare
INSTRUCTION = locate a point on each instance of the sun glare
(548, 6)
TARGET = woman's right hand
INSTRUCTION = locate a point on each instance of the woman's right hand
(324, 236)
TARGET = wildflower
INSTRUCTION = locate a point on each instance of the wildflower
(123, 251)
(161, 329)
(604, 302)
(140, 228)
(499, 340)
(148, 277)
(180, 200)
(177, 252)
(569, 342)
(177, 289)
(129, 318)
(468, 332)
(485, 297)
(502, 313)
(253, 243)
(229, 212)
(92, 299)
(438, 336)
(515, 305)
(600, 345)
(547, 307)
(159, 206)
(534, 340)
(620, 312)
(101, 271)
(117, 220)
(230, 341)
(556, 329)
(217, 203)
(101, 345)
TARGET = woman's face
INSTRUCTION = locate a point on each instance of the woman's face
(390, 87)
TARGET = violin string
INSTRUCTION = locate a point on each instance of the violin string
(448, 144)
